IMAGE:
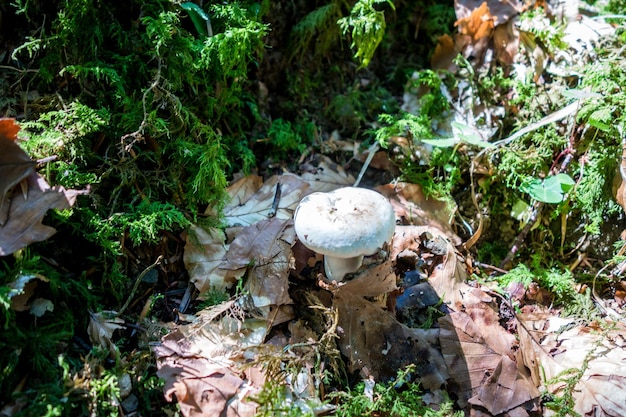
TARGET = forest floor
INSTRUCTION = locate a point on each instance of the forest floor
(151, 166)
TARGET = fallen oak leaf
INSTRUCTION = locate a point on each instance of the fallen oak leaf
(15, 164)
(258, 206)
(24, 225)
(265, 249)
(373, 340)
(506, 390)
(589, 356)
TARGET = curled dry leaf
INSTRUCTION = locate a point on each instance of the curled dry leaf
(591, 357)
(101, 328)
(24, 225)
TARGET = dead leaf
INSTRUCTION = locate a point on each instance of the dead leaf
(258, 205)
(264, 248)
(506, 41)
(101, 327)
(25, 216)
(22, 289)
(328, 176)
(507, 389)
(204, 253)
(15, 164)
(374, 341)
(501, 10)
(478, 25)
(555, 355)
(202, 387)
(39, 306)
(446, 51)
(412, 207)
(378, 345)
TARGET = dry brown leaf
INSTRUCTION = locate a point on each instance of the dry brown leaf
(475, 347)
(203, 257)
(24, 226)
(478, 25)
(485, 375)
(446, 51)
(412, 207)
(501, 10)
(22, 289)
(599, 354)
(508, 389)
(15, 164)
(264, 248)
(101, 327)
(202, 387)
(328, 176)
(374, 342)
(258, 206)
(506, 41)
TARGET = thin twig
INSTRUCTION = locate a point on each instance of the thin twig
(137, 281)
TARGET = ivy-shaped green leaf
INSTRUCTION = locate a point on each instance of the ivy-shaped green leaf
(551, 190)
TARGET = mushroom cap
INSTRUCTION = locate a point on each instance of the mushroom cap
(345, 223)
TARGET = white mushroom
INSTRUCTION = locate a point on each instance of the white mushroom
(344, 225)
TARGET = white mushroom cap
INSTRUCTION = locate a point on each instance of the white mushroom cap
(346, 223)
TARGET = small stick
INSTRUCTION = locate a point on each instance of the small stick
(519, 240)
(137, 281)
(276, 201)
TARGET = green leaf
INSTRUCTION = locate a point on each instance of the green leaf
(200, 19)
(580, 94)
(462, 133)
(441, 143)
(552, 190)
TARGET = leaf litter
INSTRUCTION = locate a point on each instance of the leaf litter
(491, 359)
(471, 352)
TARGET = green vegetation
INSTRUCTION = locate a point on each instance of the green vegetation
(398, 398)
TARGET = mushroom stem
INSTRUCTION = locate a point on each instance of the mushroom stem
(336, 268)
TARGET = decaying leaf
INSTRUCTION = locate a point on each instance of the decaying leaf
(39, 306)
(328, 176)
(412, 207)
(15, 164)
(24, 226)
(508, 390)
(479, 353)
(592, 357)
(202, 386)
(374, 342)
(258, 206)
(101, 327)
(203, 256)
(264, 248)
(22, 289)
(479, 24)
(501, 10)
